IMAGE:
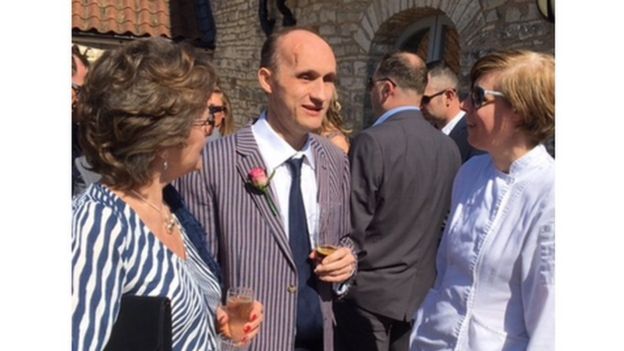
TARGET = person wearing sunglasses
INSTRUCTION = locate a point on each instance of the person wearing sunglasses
(441, 106)
(495, 285)
(402, 170)
(221, 108)
(144, 123)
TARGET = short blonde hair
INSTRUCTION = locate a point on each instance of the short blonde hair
(527, 79)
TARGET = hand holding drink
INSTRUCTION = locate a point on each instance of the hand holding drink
(240, 319)
(238, 307)
(323, 251)
(334, 264)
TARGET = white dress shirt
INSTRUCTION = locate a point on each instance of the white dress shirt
(275, 152)
(450, 125)
(495, 284)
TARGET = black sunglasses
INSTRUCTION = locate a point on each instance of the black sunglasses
(209, 121)
(371, 82)
(477, 95)
(427, 98)
(216, 109)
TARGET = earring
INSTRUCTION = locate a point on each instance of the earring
(165, 165)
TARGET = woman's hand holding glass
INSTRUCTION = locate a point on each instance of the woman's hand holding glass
(239, 321)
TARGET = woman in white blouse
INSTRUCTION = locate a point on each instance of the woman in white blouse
(495, 283)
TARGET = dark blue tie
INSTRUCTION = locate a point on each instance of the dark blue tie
(309, 317)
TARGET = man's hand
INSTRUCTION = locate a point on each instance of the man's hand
(335, 268)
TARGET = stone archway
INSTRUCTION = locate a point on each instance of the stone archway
(464, 14)
(388, 25)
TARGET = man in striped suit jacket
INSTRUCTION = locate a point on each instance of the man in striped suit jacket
(248, 227)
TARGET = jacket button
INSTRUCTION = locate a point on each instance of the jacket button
(292, 289)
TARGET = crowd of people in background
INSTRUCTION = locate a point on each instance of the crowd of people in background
(432, 229)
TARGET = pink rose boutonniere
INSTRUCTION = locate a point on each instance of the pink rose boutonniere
(259, 181)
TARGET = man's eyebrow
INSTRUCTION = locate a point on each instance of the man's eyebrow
(309, 72)
(333, 76)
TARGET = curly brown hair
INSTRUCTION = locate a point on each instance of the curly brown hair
(333, 119)
(137, 100)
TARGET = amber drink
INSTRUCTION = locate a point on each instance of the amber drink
(324, 250)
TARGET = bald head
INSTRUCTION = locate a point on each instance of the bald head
(293, 45)
(293, 36)
(406, 69)
(298, 74)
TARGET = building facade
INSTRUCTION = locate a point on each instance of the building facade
(361, 31)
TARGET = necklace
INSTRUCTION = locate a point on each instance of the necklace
(168, 220)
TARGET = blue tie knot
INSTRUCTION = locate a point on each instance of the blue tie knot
(295, 166)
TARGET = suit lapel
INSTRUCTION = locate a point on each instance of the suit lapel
(248, 157)
(322, 180)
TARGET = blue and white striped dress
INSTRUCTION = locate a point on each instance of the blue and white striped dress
(114, 253)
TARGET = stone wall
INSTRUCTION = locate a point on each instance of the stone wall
(360, 32)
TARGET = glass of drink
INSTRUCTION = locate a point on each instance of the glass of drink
(324, 250)
(228, 344)
(328, 235)
(238, 307)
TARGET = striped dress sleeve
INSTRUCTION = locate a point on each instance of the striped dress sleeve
(98, 241)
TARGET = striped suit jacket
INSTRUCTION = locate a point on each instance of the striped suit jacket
(250, 241)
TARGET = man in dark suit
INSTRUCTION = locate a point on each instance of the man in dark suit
(440, 105)
(261, 190)
(402, 170)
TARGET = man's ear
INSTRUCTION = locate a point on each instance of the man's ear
(386, 91)
(264, 78)
(450, 94)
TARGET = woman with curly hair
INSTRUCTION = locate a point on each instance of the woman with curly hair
(333, 127)
(145, 120)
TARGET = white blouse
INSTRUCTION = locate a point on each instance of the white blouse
(495, 283)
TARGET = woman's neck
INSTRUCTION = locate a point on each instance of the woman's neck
(505, 156)
(153, 192)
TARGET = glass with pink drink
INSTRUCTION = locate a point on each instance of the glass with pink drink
(238, 307)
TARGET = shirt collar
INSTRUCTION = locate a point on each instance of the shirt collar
(276, 150)
(536, 156)
(450, 125)
(393, 111)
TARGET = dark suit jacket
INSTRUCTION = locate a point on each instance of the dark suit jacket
(459, 133)
(402, 173)
(250, 241)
